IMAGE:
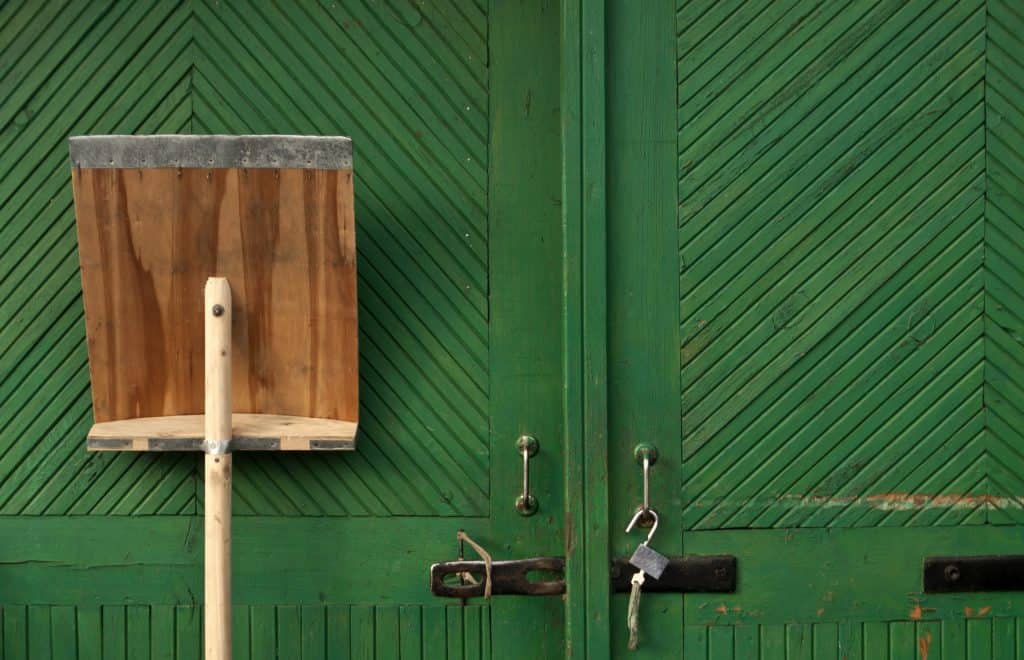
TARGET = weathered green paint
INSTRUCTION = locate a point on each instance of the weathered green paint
(643, 328)
(457, 161)
(789, 256)
(585, 325)
(831, 239)
(844, 315)
(314, 632)
(525, 303)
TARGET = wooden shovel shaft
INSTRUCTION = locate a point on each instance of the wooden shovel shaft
(217, 548)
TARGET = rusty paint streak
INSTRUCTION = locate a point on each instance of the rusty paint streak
(924, 645)
(917, 612)
(909, 501)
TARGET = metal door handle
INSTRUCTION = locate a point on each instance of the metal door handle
(526, 504)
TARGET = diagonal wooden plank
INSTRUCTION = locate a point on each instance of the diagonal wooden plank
(832, 235)
(1004, 263)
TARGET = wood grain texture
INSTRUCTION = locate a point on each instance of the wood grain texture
(217, 470)
(284, 239)
(185, 432)
(420, 119)
(217, 557)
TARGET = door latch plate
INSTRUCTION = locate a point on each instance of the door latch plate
(981, 573)
(507, 578)
(693, 574)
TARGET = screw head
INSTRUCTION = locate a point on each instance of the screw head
(645, 450)
(529, 444)
(218, 310)
(526, 506)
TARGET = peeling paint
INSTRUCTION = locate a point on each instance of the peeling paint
(924, 644)
(970, 612)
(908, 501)
(917, 611)
(878, 501)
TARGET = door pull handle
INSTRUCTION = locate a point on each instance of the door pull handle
(526, 504)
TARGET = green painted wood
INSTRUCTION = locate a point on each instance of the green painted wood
(577, 531)
(40, 632)
(848, 180)
(585, 321)
(525, 323)
(845, 303)
(1004, 231)
(422, 221)
(867, 574)
(832, 368)
(457, 194)
(643, 335)
(410, 86)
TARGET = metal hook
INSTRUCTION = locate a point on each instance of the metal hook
(646, 455)
(636, 518)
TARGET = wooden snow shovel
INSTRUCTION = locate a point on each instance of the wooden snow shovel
(219, 281)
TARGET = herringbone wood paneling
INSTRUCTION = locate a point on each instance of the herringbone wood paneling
(1004, 259)
(410, 84)
(410, 87)
(135, 79)
(832, 236)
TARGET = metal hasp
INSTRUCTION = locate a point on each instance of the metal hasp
(696, 574)
(508, 578)
(686, 575)
(982, 573)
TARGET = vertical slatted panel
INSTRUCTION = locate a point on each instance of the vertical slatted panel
(311, 632)
(974, 639)
(161, 632)
(842, 264)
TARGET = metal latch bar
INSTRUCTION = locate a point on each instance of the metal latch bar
(693, 574)
(981, 573)
(507, 578)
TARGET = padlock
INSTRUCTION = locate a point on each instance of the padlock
(650, 561)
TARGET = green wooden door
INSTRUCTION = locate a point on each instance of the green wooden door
(455, 127)
(780, 240)
(814, 217)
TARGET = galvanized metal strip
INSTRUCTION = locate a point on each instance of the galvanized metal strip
(331, 445)
(103, 444)
(212, 151)
(175, 444)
